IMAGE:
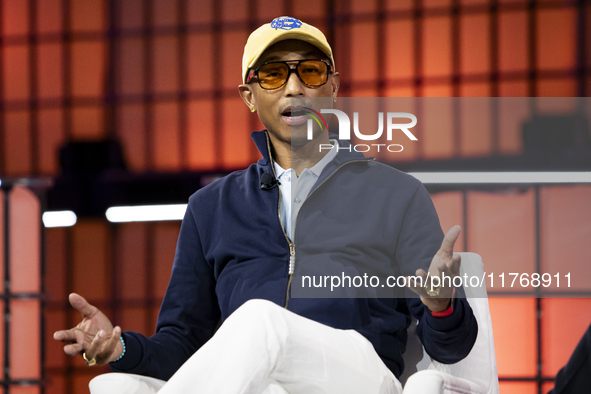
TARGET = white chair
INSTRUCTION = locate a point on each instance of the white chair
(477, 373)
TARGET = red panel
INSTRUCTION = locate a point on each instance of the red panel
(49, 16)
(131, 133)
(25, 339)
(514, 329)
(202, 130)
(88, 68)
(88, 15)
(55, 321)
(502, 230)
(399, 5)
(556, 38)
(437, 91)
(130, 66)
(436, 3)
(166, 137)
(361, 7)
(91, 252)
(437, 129)
(231, 62)
(17, 139)
(307, 9)
(50, 138)
(475, 125)
(88, 123)
(16, 72)
(133, 319)
(165, 236)
(557, 87)
(234, 10)
(436, 50)
(199, 11)
(165, 12)
(400, 49)
(25, 390)
(15, 17)
(475, 89)
(56, 383)
(25, 241)
(131, 13)
(563, 323)
(267, 10)
(449, 210)
(50, 82)
(55, 263)
(236, 135)
(2, 342)
(512, 113)
(364, 47)
(1, 248)
(474, 43)
(518, 387)
(80, 381)
(565, 221)
(165, 62)
(200, 72)
(131, 258)
(513, 41)
(513, 89)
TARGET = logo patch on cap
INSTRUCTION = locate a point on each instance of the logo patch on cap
(286, 23)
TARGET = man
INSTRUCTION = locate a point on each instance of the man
(236, 255)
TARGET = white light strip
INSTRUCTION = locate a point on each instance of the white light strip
(59, 218)
(502, 177)
(146, 213)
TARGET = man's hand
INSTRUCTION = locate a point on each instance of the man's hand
(444, 262)
(94, 335)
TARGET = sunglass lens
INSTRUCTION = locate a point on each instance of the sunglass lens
(313, 72)
(273, 75)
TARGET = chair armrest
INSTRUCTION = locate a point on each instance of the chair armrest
(436, 382)
(124, 383)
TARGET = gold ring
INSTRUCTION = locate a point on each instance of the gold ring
(90, 363)
(432, 291)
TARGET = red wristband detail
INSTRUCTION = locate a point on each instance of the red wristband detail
(448, 311)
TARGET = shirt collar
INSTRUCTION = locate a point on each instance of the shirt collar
(318, 167)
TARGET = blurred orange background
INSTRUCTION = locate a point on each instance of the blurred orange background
(161, 76)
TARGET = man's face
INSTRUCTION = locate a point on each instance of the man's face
(274, 106)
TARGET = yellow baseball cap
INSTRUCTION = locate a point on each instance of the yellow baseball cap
(282, 28)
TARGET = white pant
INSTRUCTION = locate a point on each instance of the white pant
(263, 348)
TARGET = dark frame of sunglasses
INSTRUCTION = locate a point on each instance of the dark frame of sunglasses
(255, 72)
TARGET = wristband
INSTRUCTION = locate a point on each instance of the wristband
(123, 352)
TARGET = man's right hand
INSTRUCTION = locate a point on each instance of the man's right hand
(94, 335)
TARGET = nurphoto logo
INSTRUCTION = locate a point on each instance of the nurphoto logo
(345, 129)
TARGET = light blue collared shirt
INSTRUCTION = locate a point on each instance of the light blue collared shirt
(295, 190)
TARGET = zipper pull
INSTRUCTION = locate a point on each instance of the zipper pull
(291, 259)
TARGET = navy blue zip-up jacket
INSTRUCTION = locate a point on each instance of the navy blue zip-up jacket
(232, 248)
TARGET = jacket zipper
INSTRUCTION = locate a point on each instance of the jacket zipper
(291, 266)
(292, 252)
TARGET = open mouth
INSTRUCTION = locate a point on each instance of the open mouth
(294, 116)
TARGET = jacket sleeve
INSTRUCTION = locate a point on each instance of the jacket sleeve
(188, 315)
(446, 339)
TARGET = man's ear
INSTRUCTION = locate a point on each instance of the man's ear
(247, 96)
(335, 82)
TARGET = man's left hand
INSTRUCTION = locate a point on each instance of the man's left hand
(444, 264)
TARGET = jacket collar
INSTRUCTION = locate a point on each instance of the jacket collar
(263, 144)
